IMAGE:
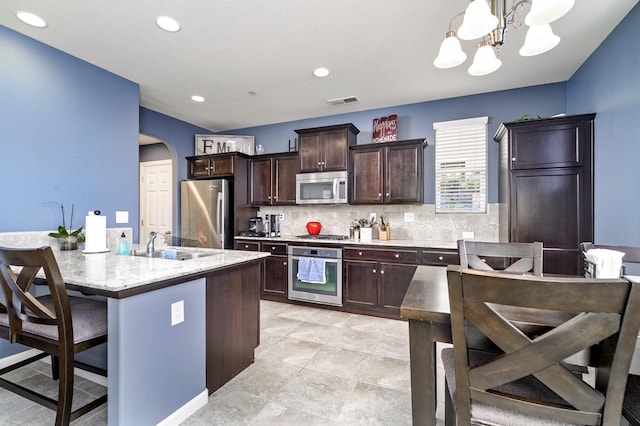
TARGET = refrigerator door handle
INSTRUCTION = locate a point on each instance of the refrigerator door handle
(220, 224)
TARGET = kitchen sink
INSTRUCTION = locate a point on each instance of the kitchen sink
(180, 255)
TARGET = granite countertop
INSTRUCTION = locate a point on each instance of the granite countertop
(381, 243)
(110, 273)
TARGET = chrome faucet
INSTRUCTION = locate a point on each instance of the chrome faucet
(150, 247)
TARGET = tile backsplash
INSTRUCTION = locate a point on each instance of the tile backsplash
(426, 225)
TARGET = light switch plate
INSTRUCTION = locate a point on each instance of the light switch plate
(408, 217)
(468, 235)
(122, 217)
(177, 312)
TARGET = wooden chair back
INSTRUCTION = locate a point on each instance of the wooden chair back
(518, 258)
(589, 312)
(631, 255)
(22, 306)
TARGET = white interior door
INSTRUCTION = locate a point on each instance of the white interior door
(156, 199)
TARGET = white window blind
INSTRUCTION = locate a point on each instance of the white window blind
(461, 165)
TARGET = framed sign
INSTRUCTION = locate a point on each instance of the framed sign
(216, 144)
(385, 129)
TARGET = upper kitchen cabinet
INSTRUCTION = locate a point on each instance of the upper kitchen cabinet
(546, 187)
(272, 179)
(387, 173)
(213, 165)
(324, 149)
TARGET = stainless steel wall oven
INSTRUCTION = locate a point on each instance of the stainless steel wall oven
(315, 275)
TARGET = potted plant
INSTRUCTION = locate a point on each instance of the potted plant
(67, 237)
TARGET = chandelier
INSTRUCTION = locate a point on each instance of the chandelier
(489, 22)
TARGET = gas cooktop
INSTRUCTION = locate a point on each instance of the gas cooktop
(324, 237)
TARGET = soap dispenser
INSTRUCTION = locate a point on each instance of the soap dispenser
(123, 245)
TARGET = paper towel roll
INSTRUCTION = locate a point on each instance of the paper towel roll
(95, 234)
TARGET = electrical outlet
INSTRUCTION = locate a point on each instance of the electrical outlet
(408, 217)
(468, 235)
(372, 216)
(177, 312)
(281, 215)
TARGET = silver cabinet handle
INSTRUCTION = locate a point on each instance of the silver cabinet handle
(359, 253)
(513, 158)
(382, 272)
(397, 256)
(284, 263)
(440, 258)
(374, 271)
(246, 246)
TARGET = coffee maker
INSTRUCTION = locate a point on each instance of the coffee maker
(256, 228)
(272, 225)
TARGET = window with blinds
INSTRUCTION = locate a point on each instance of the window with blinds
(461, 165)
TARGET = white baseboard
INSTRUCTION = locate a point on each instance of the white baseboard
(184, 412)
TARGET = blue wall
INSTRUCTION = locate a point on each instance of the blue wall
(608, 84)
(69, 133)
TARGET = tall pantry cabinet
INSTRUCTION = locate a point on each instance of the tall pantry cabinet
(546, 187)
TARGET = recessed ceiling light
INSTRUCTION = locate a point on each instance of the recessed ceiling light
(197, 98)
(321, 72)
(31, 19)
(168, 24)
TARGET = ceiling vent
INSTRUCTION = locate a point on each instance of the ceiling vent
(343, 101)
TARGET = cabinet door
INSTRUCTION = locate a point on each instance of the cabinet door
(393, 281)
(221, 165)
(361, 283)
(199, 168)
(285, 170)
(335, 150)
(403, 174)
(366, 182)
(309, 152)
(552, 206)
(564, 144)
(260, 182)
(275, 276)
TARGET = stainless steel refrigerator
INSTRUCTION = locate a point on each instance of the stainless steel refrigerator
(205, 213)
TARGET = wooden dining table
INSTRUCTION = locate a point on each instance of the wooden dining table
(426, 307)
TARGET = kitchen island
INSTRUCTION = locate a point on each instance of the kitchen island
(178, 330)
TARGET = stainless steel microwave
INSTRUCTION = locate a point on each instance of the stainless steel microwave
(322, 188)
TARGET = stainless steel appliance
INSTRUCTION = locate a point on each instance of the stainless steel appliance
(272, 225)
(322, 188)
(329, 292)
(205, 214)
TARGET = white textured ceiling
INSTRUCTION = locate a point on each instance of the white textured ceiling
(379, 50)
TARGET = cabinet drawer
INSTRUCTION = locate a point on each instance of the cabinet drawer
(246, 245)
(439, 258)
(404, 256)
(274, 248)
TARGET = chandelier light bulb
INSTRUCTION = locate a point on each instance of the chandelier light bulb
(478, 21)
(546, 11)
(484, 61)
(539, 39)
(451, 54)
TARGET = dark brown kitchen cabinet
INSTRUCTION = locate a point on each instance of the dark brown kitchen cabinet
(387, 173)
(377, 279)
(211, 165)
(275, 271)
(546, 187)
(324, 149)
(272, 180)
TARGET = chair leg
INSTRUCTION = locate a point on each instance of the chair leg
(55, 367)
(65, 389)
(449, 412)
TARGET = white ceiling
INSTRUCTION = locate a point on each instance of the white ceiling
(378, 50)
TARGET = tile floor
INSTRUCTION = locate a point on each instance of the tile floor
(313, 367)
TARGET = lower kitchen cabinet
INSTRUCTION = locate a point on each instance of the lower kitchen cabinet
(377, 280)
(275, 269)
